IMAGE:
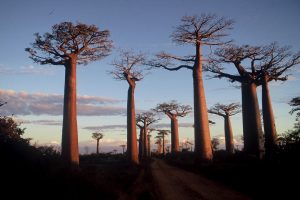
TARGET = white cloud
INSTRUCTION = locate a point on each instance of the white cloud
(27, 70)
(23, 103)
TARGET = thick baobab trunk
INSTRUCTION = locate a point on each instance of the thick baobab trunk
(228, 135)
(141, 148)
(268, 117)
(163, 145)
(203, 151)
(251, 120)
(149, 146)
(145, 142)
(174, 135)
(69, 145)
(131, 128)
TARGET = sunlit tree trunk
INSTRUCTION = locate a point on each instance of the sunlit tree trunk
(174, 135)
(268, 118)
(228, 135)
(131, 127)
(251, 120)
(203, 150)
(69, 147)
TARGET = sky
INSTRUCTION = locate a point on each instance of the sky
(35, 93)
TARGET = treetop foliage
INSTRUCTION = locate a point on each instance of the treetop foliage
(86, 42)
(173, 108)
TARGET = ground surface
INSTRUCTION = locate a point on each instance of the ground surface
(172, 183)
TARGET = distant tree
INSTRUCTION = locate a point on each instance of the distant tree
(215, 143)
(161, 134)
(173, 110)
(97, 136)
(128, 69)
(68, 45)
(158, 142)
(143, 120)
(123, 147)
(198, 31)
(226, 111)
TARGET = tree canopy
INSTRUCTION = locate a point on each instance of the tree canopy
(87, 42)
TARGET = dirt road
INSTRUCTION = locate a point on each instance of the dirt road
(173, 183)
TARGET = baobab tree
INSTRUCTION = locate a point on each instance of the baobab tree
(198, 31)
(267, 63)
(68, 45)
(226, 111)
(128, 68)
(97, 136)
(173, 110)
(158, 142)
(239, 57)
(143, 120)
(161, 134)
(123, 147)
(273, 67)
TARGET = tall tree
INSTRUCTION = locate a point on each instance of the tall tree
(274, 65)
(162, 134)
(198, 31)
(226, 111)
(143, 120)
(173, 110)
(240, 56)
(97, 136)
(68, 45)
(128, 69)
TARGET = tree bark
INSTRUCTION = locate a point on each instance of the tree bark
(228, 135)
(268, 118)
(145, 142)
(251, 120)
(131, 127)
(203, 150)
(174, 135)
(97, 146)
(141, 148)
(149, 146)
(69, 147)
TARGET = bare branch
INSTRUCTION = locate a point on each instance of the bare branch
(87, 42)
(127, 67)
(173, 109)
(225, 110)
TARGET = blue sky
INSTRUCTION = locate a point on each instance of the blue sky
(140, 25)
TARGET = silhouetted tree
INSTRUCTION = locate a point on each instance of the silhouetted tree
(238, 56)
(97, 136)
(295, 102)
(127, 68)
(143, 120)
(68, 45)
(198, 31)
(158, 142)
(161, 134)
(173, 110)
(226, 111)
(123, 147)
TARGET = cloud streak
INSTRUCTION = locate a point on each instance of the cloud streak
(23, 103)
(27, 70)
